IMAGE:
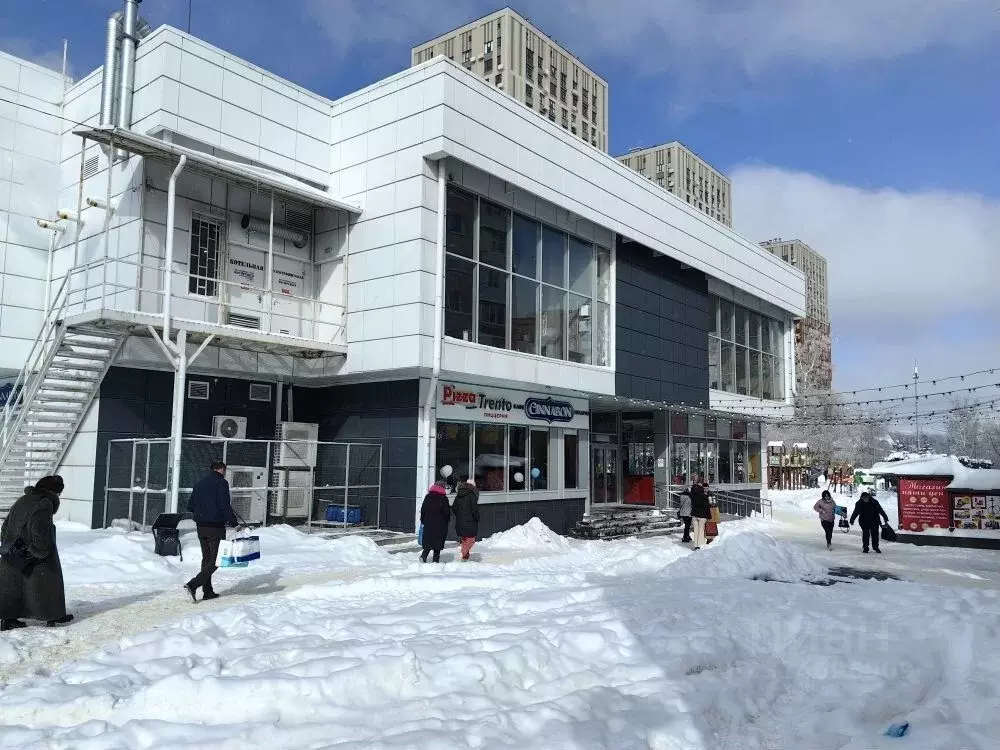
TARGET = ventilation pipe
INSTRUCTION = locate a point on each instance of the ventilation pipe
(258, 226)
(109, 77)
(133, 29)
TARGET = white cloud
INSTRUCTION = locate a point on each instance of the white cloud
(26, 50)
(912, 275)
(657, 36)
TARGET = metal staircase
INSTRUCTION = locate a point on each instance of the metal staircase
(50, 398)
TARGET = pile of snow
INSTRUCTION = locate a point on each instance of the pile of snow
(751, 555)
(533, 536)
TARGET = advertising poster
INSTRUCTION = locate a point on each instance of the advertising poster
(924, 504)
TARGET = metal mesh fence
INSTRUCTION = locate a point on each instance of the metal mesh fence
(298, 482)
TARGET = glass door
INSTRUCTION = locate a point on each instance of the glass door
(604, 475)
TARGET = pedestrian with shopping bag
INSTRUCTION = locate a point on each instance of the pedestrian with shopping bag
(714, 518)
(466, 512)
(31, 577)
(867, 512)
(701, 512)
(211, 505)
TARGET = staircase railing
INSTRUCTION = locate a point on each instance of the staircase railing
(30, 378)
(729, 502)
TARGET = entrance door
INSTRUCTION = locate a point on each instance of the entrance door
(604, 474)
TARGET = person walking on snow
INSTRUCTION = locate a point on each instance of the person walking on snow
(212, 507)
(434, 516)
(867, 511)
(826, 509)
(466, 510)
(36, 591)
(701, 511)
(684, 512)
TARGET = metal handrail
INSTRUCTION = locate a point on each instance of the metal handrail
(25, 386)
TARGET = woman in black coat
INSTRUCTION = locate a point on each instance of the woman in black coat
(701, 511)
(466, 510)
(37, 592)
(435, 514)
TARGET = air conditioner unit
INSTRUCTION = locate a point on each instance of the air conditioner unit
(248, 489)
(291, 493)
(232, 428)
(296, 446)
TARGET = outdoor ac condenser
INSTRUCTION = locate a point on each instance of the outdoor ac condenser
(248, 489)
(296, 445)
(232, 428)
(291, 493)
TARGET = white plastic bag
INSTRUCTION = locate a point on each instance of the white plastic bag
(238, 552)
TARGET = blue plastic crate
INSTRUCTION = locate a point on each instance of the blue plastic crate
(335, 514)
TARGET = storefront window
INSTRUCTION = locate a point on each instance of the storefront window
(524, 327)
(714, 369)
(696, 425)
(696, 463)
(748, 348)
(708, 461)
(679, 461)
(492, 307)
(571, 459)
(753, 462)
(458, 298)
(452, 449)
(579, 329)
(539, 473)
(517, 469)
(568, 317)
(766, 377)
(724, 428)
(725, 462)
(553, 320)
(490, 456)
(493, 221)
(741, 370)
(755, 374)
(728, 367)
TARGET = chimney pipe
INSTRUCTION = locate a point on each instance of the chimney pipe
(129, 41)
(109, 76)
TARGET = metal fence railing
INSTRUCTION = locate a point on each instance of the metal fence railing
(311, 483)
(731, 503)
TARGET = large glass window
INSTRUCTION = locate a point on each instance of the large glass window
(495, 260)
(458, 298)
(525, 255)
(524, 319)
(714, 450)
(553, 322)
(492, 307)
(461, 223)
(539, 473)
(490, 455)
(725, 462)
(553, 257)
(579, 329)
(493, 221)
(749, 349)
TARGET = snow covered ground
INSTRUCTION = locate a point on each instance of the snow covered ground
(542, 643)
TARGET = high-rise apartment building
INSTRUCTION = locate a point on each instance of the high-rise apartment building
(813, 347)
(506, 51)
(678, 170)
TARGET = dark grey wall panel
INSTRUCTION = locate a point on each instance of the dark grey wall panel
(661, 330)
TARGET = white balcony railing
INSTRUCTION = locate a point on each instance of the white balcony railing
(127, 286)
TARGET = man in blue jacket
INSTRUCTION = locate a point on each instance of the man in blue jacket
(212, 509)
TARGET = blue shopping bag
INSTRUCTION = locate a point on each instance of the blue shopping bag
(420, 535)
(238, 552)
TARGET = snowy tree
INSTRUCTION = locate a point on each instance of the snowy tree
(964, 429)
(813, 373)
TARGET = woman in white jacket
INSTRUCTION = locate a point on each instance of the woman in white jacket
(685, 514)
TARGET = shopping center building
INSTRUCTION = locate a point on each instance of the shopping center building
(424, 265)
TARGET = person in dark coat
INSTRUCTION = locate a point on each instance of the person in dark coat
(867, 512)
(701, 511)
(37, 592)
(212, 508)
(466, 510)
(435, 513)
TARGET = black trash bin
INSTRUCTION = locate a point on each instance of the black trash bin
(166, 536)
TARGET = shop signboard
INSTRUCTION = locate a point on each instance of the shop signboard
(924, 504)
(475, 403)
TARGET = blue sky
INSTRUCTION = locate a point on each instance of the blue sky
(869, 129)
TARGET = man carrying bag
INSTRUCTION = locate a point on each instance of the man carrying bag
(212, 508)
